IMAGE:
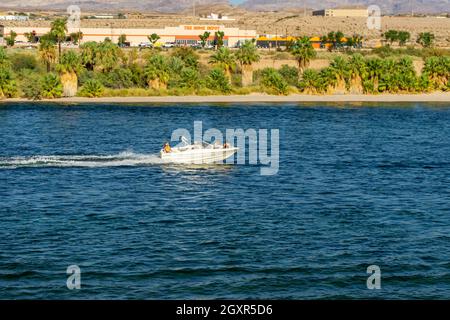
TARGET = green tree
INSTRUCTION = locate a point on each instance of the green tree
(157, 71)
(153, 38)
(403, 37)
(218, 39)
(68, 69)
(8, 87)
(88, 54)
(426, 39)
(58, 30)
(187, 55)
(11, 39)
(107, 56)
(339, 40)
(4, 59)
(225, 60)
(47, 51)
(303, 52)
(339, 69)
(204, 38)
(31, 36)
(247, 55)
(122, 40)
(391, 36)
(76, 37)
(358, 72)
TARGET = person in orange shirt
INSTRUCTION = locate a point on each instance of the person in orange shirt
(167, 148)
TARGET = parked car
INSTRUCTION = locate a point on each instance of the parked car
(145, 45)
(169, 45)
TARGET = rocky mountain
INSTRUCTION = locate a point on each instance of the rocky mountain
(387, 6)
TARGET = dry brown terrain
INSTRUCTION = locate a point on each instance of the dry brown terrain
(290, 22)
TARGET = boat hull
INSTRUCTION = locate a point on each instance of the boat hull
(199, 156)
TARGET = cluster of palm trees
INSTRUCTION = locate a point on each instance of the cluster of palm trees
(375, 75)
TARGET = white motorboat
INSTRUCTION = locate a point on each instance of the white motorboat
(197, 153)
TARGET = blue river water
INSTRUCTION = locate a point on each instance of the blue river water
(358, 185)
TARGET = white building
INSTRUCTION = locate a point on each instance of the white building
(182, 35)
(217, 17)
(14, 18)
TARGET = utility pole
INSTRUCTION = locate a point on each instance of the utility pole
(412, 8)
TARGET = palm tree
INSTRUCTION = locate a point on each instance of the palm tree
(303, 52)
(68, 68)
(340, 71)
(58, 31)
(438, 71)
(247, 55)
(156, 72)
(224, 60)
(309, 82)
(89, 54)
(358, 73)
(107, 56)
(47, 51)
(204, 38)
(375, 68)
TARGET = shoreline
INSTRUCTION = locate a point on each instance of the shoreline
(251, 98)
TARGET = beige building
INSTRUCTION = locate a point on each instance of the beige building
(182, 35)
(342, 12)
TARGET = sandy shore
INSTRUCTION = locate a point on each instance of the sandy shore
(432, 97)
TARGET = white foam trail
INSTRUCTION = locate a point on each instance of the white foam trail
(90, 161)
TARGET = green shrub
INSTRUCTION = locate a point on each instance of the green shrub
(20, 61)
(273, 81)
(51, 86)
(117, 78)
(91, 89)
(8, 87)
(290, 74)
(31, 87)
(217, 80)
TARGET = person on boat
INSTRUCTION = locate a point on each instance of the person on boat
(167, 148)
(226, 145)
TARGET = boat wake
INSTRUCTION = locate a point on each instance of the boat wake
(89, 161)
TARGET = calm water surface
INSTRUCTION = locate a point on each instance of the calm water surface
(358, 185)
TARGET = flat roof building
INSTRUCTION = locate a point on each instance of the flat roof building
(343, 12)
(182, 35)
